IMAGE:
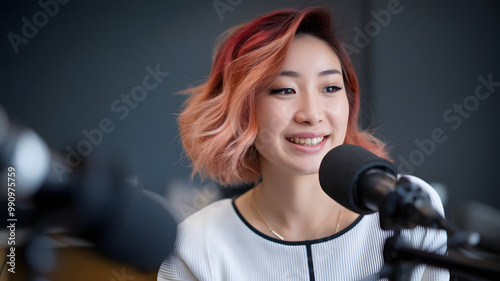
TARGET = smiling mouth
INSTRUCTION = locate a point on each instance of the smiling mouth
(306, 141)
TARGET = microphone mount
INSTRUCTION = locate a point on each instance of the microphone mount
(401, 203)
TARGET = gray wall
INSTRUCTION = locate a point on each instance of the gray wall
(425, 73)
(70, 76)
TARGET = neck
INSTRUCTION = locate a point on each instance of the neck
(295, 205)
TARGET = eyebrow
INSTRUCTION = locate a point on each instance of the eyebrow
(294, 74)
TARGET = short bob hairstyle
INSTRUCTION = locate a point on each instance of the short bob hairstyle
(218, 125)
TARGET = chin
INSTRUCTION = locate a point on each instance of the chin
(305, 169)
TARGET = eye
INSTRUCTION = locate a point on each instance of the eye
(332, 89)
(283, 91)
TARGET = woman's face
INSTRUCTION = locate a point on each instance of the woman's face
(305, 111)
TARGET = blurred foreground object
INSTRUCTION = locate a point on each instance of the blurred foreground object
(93, 202)
(481, 218)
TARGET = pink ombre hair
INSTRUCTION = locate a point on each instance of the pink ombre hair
(218, 123)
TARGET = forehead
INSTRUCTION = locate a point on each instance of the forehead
(308, 52)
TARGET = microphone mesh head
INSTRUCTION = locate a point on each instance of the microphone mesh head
(340, 169)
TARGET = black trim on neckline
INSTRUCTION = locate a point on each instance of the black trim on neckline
(294, 243)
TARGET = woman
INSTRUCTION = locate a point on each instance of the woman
(282, 92)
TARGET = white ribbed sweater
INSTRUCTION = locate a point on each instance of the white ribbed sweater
(217, 243)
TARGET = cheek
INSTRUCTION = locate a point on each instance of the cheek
(343, 115)
(271, 123)
(340, 115)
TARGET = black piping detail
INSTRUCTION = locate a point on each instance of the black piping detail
(295, 243)
(310, 264)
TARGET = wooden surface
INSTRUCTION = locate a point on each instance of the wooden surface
(79, 264)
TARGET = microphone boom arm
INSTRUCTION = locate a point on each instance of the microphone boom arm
(398, 258)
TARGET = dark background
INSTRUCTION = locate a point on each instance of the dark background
(413, 67)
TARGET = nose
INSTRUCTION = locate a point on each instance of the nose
(309, 109)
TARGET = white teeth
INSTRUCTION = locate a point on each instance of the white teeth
(306, 141)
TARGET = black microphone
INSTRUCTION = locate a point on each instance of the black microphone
(365, 183)
(94, 202)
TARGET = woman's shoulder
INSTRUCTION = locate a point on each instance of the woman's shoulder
(198, 236)
(216, 215)
(215, 210)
